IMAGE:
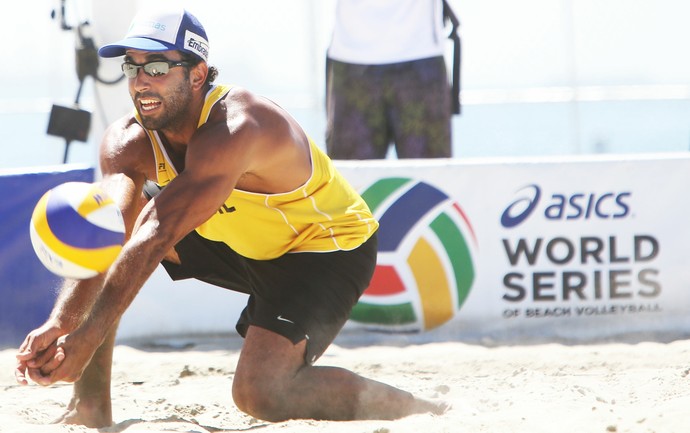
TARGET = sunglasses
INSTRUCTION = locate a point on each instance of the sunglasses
(153, 69)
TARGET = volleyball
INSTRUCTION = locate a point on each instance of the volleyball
(77, 230)
(425, 267)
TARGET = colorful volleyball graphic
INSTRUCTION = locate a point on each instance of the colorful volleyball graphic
(425, 264)
(76, 230)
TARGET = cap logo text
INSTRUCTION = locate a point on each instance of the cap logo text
(197, 44)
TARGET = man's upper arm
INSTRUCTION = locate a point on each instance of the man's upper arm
(122, 162)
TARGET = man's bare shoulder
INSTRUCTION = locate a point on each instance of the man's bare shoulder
(240, 96)
(242, 103)
(123, 132)
(265, 144)
(257, 122)
(125, 143)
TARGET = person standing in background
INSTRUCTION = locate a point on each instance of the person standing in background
(387, 82)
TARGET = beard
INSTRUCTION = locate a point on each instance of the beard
(175, 105)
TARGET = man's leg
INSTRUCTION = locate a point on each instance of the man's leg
(91, 404)
(421, 108)
(272, 382)
(356, 123)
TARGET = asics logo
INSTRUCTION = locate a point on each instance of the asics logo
(567, 207)
(520, 209)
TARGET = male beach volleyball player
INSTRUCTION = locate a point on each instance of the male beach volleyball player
(246, 201)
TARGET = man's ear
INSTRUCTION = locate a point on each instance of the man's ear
(197, 74)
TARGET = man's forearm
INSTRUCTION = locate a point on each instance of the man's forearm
(137, 261)
(75, 300)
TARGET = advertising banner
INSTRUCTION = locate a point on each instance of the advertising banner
(578, 248)
(494, 249)
(27, 288)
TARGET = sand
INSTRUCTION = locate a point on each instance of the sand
(183, 385)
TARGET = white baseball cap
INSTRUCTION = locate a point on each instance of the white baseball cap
(156, 30)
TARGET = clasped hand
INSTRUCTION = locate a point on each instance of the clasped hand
(43, 354)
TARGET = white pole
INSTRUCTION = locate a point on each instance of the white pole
(571, 64)
(109, 23)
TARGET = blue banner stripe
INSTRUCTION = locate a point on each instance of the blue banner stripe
(402, 215)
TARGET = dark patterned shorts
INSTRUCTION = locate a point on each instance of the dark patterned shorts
(370, 106)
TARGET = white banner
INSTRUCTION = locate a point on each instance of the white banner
(570, 248)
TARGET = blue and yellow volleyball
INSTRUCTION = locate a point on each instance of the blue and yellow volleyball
(77, 230)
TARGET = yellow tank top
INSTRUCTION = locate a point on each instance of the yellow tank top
(325, 214)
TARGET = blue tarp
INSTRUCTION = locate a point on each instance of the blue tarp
(27, 289)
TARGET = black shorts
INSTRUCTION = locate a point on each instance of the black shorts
(299, 295)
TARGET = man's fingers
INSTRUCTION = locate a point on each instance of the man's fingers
(37, 341)
(56, 375)
(53, 363)
(42, 358)
(20, 373)
(25, 351)
(43, 374)
(38, 377)
(33, 346)
(39, 350)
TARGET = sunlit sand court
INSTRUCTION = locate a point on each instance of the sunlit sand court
(184, 385)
